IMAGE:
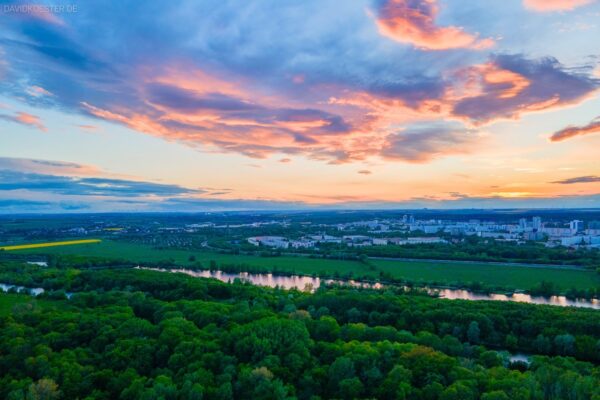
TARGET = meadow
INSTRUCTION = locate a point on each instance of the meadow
(445, 273)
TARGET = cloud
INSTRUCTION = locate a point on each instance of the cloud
(423, 145)
(14, 180)
(88, 128)
(46, 166)
(31, 192)
(511, 85)
(285, 160)
(555, 5)
(63, 178)
(25, 119)
(573, 131)
(224, 93)
(579, 179)
(365, 172)
(37, 91)
(414, 22)
(22, 204)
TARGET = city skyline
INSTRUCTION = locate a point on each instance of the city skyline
(363, 104)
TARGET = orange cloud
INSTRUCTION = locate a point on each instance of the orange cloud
(37, 91)
(504, 88)
(413, 22)
(48, 167)
(509, 86)
(220, 114)
(554, 5)
(572, 131)
(24, 118)
(200, 109)
(509, 83)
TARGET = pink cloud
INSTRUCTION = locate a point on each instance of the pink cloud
(48, 167)
(413, 22)
(509, 86)
(88, 128)
(26, 119)
(573, 131)
(555, 5)
(37, 91)
(227, 114)
(32, 120)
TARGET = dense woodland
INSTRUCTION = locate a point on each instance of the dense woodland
(135, 334)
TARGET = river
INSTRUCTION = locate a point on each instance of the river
(302, 282)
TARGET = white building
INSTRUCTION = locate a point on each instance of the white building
(322, 238)
(523, 223)
(302, 244)
(576, 226)
(423, 240)
(380, 241)
(575, 240)
(557, 232)
(269, 241)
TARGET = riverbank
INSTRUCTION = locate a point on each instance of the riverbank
(475, 275)
(312, 283)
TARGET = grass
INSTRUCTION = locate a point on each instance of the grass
(49, 244)
(424, 271)
(499, 275)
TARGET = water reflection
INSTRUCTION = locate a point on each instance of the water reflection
(33, 291)
(310, 283)
(520, 357)
(560, 301)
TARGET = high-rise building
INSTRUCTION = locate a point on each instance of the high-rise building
(537, 223)
(576, 225)
(523, 223)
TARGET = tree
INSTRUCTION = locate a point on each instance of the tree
(397, 383)
(351, 388)
(542, 344)
(458, 391)
(495, 395)
(565, 344)
(342, 368)
(473, 332)
(43, 389)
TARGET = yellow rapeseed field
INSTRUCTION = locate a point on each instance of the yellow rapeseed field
(49, 244)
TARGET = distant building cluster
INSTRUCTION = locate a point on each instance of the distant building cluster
(311, 241)
(413, 231)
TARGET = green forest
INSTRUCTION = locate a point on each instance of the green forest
(122, 333)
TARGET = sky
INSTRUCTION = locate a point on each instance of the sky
(263, 105)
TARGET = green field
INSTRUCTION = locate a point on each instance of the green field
(424, 271)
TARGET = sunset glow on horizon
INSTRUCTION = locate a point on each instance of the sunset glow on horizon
(213, 105)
